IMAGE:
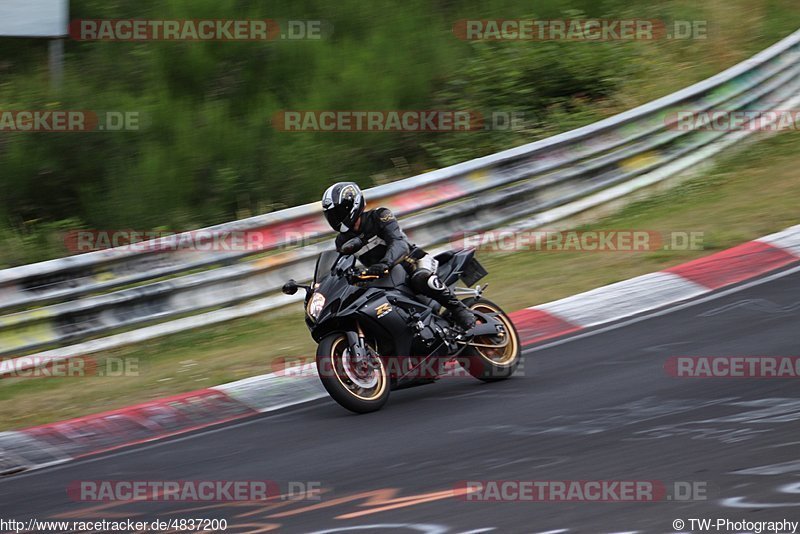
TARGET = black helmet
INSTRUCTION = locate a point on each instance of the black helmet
(343, 204)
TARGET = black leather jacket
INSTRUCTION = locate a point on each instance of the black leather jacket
(379, 228)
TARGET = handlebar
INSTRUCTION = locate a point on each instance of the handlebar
(362, 276)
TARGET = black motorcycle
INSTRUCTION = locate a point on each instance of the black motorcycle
(376, 334)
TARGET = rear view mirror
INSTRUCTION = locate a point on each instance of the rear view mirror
(290, 287)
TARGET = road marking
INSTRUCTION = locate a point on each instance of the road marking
(670, 309)
(773, 469)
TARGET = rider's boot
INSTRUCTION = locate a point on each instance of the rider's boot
(462, 315)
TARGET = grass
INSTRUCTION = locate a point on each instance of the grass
(745, 196)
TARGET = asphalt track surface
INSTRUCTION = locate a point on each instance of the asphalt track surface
(600, 407)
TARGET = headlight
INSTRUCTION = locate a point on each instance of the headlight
(315, 305)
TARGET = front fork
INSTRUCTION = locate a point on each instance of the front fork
(358, 346)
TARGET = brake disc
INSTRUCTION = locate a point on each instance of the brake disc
(367, 381)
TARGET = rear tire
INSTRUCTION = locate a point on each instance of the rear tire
(359, 393)
(493, 364)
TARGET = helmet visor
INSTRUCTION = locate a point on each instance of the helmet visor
(336, 215)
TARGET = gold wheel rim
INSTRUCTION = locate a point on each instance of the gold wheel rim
(337, 350)
(503, 356)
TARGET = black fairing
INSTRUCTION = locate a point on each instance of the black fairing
(451, 265)
(391, 315)
(347, 304)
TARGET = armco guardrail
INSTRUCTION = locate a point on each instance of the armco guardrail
(79, 298)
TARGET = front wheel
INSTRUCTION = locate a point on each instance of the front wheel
(360, 387)
(492, 358)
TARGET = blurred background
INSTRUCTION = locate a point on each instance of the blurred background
(207, 153)
(197, 336)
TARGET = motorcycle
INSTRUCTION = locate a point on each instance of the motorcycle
(375, 334)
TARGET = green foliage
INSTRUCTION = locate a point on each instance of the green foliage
(553, 87)
(207, 152)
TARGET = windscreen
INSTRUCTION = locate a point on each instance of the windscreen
(325, 263)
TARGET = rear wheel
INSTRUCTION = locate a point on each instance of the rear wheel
(360, 387)
(491, 358)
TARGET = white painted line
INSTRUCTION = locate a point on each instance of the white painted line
(671, 309)
(788, 240)
(623, 299)
(773, 469)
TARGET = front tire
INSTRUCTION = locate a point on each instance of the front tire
(497, 357)
(358, 389)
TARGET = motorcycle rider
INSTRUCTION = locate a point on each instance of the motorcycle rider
(343, 205)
